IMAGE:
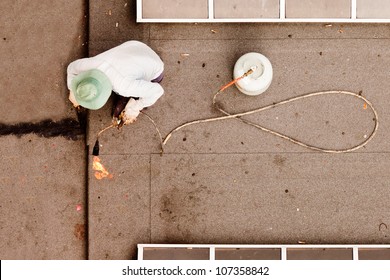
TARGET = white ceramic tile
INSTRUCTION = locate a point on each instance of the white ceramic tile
(318, 8)
(175, 9)
(246, 9)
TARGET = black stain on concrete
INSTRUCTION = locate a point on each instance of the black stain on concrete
(68, 128)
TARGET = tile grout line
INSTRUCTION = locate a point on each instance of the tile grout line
(252, 153)
(87, 28)
(150, 198)
(87, 206)
(353, 9)
(269, 39)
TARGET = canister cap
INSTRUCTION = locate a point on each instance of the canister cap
(257, 82)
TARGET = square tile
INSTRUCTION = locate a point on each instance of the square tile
(318, 8)
(175, 9)
(176, 254)
(373, 9)
(246, 9)
(43, 199)
(374, 254)
(247, 254)
(319, 254)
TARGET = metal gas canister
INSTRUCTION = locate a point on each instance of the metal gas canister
(261, 78)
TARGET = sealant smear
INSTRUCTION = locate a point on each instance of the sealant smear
(68, 128)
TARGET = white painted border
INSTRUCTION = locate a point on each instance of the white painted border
(212, 253)
(211, 9)
(282, 9)
(139, 11)
(355, 253)
(355, 248)
(276, 20)
(283, 253)
(353, 10)
(282, 17)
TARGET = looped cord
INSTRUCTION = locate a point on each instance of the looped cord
(300, 143)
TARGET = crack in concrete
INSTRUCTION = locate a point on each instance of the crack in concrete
(68, 128)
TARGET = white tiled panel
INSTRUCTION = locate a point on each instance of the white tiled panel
(373, 9)
(175, 9)
(246, 9)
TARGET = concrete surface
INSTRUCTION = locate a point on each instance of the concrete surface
(221, 182)
(119, 208)
(225, 182)
(42, 182)
(268, 198)
(35, 53)
(42, 198)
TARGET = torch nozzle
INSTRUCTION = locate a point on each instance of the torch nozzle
(250, 71)
(96, 147)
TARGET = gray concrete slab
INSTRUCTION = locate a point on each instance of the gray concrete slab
(42, 185)
(229, 183)
(341, 199)
(328, 121)
(35, 54)
(43, 206)
(112, 22)
(119, 208)
(269, 198)
(318, 66)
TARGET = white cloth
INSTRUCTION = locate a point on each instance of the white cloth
(130, 68)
